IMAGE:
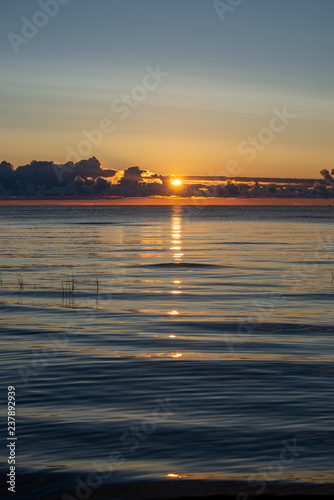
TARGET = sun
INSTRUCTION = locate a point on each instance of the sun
(176, 182)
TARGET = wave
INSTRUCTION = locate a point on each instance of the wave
(184, 264)
(258, 326)
(106, 223)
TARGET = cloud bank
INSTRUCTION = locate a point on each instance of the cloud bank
(87, 179)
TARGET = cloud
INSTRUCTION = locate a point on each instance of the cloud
(327, 176)
(37, 173)
(6, 172)
(92, 168)
(132, 176)
(47, 174)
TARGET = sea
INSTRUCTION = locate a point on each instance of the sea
(166, 349)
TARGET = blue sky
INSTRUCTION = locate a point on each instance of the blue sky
(225, 77)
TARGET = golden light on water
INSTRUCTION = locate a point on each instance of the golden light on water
(176, 235)
(176, 249)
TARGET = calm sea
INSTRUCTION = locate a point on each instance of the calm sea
(167, 343)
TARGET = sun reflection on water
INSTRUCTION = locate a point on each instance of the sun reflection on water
(176, 234)
(176, 248)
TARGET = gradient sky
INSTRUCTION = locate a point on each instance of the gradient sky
(225, 78)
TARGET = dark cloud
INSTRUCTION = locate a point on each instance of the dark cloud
(90, 168)
(37, 173)
(46, 174)
(5, 166)
(132, 176)
(6, 174)
(327, 176)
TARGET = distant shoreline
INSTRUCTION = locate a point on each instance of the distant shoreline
(173, 201)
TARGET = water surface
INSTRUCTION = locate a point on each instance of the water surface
(169, 342)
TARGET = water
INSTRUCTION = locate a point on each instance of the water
(164, 343)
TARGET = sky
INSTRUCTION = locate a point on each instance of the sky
(181, 87)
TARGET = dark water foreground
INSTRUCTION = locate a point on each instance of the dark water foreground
(55, 487)
(161, 352)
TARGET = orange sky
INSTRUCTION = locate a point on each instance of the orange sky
(171, 88)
